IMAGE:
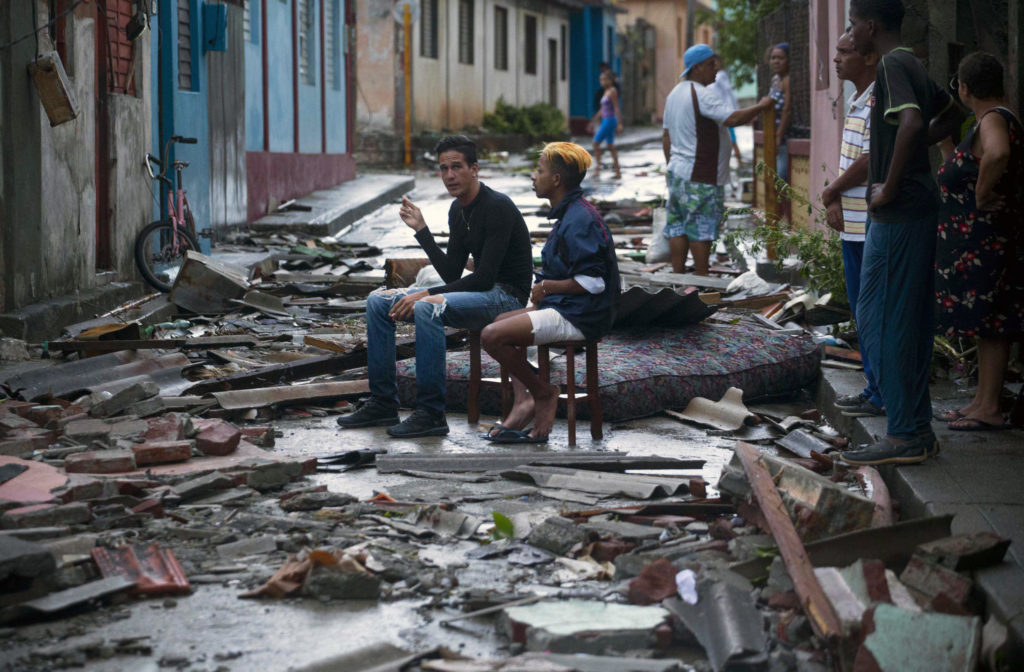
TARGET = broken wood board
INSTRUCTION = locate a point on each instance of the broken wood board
(600, 483)
(153, 344)
(892, 545)
(469, 462)
(728, 413)
(818, 608)
(268, 396)
(339, 343)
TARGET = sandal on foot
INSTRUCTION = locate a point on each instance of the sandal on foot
(949, 416)
(966, 424)
(507, 435)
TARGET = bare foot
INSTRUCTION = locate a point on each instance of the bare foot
(544, 408)
(618, 175)
(518, 417)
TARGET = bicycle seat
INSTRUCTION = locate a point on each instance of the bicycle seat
(182, 164)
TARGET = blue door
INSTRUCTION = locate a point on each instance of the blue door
(180, 106)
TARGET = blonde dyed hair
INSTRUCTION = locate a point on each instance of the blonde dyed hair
(568, 159)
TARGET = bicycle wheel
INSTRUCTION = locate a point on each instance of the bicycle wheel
(156, 257)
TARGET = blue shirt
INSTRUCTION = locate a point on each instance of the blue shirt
(580, 244)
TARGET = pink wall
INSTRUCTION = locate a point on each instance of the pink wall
(827, 23)
(283, 176)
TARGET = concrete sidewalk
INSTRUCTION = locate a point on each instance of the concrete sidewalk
(977, 477)
(328, 211)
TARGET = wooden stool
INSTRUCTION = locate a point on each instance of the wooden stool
(592, 395)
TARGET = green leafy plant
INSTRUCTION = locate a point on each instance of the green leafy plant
(503, 527)
(735, 24)
(819, 249)
(541, 119)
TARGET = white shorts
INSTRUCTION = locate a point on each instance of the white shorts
(550, 327)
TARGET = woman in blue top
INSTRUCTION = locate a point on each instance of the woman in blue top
(608, 117)
(573, 299)
(778, 60)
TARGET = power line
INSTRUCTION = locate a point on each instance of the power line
(48, 24)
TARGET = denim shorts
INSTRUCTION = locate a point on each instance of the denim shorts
(606, 132)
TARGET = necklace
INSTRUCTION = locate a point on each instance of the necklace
(467, 222)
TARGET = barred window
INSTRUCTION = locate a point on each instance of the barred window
(307, 21)
(332, 44)
(500, 38)
(428, 29)
(466, 31)
(185, 45)
(530, 57)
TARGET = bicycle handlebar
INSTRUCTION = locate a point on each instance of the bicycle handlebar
(151, 160)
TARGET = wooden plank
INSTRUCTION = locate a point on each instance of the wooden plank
(677, 280)
(817, 606)
(153, 344)
(268, 396)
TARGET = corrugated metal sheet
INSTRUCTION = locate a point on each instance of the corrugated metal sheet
(74, 378)
(640, 307)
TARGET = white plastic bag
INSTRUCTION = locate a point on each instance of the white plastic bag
(658, 250)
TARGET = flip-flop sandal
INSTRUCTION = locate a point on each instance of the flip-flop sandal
(976, 425)
(949, 416)
(507, 435)
(496, 426)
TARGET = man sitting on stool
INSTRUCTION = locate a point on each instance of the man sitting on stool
(573, 300)
(482, 223)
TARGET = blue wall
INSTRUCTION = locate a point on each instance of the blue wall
(281, 101)
(589, 45)
(254, 80)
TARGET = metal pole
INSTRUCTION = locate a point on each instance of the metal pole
(406, 23)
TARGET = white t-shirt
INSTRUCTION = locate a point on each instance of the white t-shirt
(681, 123)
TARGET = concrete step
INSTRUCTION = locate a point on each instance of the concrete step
(976, 477)
(331, 210)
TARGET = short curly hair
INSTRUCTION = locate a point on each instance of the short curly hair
(887, 12)
(982, 74)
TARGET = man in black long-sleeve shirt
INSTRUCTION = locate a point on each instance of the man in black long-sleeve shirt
(482, 223)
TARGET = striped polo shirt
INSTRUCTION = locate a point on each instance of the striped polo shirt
(856, 140)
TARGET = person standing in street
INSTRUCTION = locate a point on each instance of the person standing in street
(573, 299)
(896, 310)
(778, 61)
(608, 121)
(696, 147)
(844, 199)
(483, 224)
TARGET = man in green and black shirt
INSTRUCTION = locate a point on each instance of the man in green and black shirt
(482, 223)
(895, 310)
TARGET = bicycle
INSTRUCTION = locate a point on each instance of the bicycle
(161, 246)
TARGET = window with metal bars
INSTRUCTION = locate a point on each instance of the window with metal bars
(466, 31)
(332, 44)
(250, 21)
(530, 57)
(185, 45)
(564, 36)
(307, 22)
(500, 38)
(428, 29)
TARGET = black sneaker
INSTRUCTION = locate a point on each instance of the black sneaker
(420, 423)
(850, 400)
(885, 451)
(371, 413)
(931, 442)
(862, 410)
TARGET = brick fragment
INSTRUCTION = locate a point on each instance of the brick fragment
(43, 415)
(217, 437)
(161, 452)
(105, 404)
(85, 431)
(168, 427)
(260, 435)
(938, 588)
(964, 552)
(100, 462)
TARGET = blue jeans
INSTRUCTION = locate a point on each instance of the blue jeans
(896, 316)
(853, 254)
(465, 310)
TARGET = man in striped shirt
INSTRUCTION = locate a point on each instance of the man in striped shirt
(844, 199)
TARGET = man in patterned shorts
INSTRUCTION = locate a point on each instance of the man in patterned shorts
(696, 145)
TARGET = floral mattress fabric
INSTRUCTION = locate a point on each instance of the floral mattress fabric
(644, 372)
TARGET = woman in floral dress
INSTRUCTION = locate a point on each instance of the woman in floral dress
(979, 277)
